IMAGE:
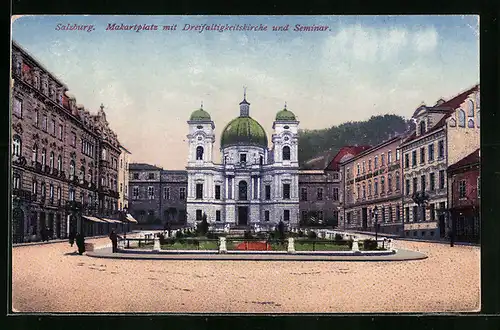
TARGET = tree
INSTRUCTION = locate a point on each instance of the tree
(203, 226)
(421, 199)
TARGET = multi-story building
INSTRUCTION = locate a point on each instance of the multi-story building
(445, 133)
(123, 177)
(465, 197)
(253, 184)
(372, 188)
(157, 196)
(55, 164)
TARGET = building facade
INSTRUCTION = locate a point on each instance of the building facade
(253, 184)
(372, 189)
(123, 177)
(465, 198)
(157, 196)
(444, 134)
(55, 163)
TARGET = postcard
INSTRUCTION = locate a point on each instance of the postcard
(245, 164)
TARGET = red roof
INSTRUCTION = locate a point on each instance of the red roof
(451, 104)
(470, 159)
(346, 150)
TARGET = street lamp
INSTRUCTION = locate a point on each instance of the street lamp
(125, 211)
(375, 214)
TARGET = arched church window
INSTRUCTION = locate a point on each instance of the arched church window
(470, 123)
(242, 190)
(199, 153)
(422, 127)
(286, 153)
(461, 118)
(16, 145)
(470, 108)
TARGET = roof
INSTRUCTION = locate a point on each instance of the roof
(285, 115)
(451, 105)
(126, 150)
(243, 131)
(200, 114)
(471, 159)
(143, 166)
(346, 150)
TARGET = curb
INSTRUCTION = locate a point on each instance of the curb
(400, 238)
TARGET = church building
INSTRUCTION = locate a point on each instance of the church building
(252, 183)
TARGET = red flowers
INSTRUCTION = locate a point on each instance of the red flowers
(254, 246)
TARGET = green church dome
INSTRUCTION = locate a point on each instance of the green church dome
(285, 115)
(243, 130)
(200, 114)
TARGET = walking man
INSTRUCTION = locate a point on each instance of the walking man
(114, 240)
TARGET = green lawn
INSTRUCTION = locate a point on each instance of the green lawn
(307, 246)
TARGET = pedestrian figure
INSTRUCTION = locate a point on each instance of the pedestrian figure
(114, 240)
(80, 242)
(71, 238)
(452, 237)
(50, 234)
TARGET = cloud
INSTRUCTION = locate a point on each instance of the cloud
(426, 40)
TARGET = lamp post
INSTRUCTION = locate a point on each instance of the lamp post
(375, 215)
(125, 211)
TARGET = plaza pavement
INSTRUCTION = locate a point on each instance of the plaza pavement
(53, 278)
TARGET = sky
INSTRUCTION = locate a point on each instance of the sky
(150, 81)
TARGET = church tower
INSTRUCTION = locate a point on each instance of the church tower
(285, 139)
(201, 138)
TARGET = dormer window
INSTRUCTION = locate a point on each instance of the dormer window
(421, 127)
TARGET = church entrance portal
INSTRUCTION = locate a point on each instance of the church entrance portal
(242, 215)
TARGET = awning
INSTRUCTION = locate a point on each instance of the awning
(94, 219)
(111, 220)
(131, 218)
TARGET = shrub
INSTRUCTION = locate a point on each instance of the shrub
(349, 243)
(179, 234)
(212, 235)
(312, 235)
(369, 245)
(247, 234)
(162, 239)
(338, 238)
(261, 235)
(281, 230)
(301, 233)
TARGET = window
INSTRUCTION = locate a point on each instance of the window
(44, 123)
(375, 187)
(255, 187)
(261, 160)
(53, 127)
(217, 191)
(415, 185)
(51, 160)
(60, 132)
(217, 215)
(266, 215)
(51, 192)
(199, 153)
(389, 182)
(104, 154)
(407, 186)
(44, 157)
(319, 194)
(151, 176)
(230, 188)
(286, 215)
(303, 194)
(182, 193)
(16, 145)
(348, 216)
(398, 181)
(43, 189)
(422, 155)
(151, 192)
(34, 157)
(407, 160)
(430, 151)
(415, 214)
(470, 108)
(286, 153)
(199, 190)
(369, 188)
(304, 216)
(199, 215)
(376, 162)
(422, 183)
(364, 191)
(242, 190)
(414, 158)
(37, 118)
(461, 118)
(16, 181)
(121, 163)
(397, 154)
(18, 107)
(34, 187)
(441, 179)
(398, 213)
(382, 160)
(71, 193)
(383, 215)
(286, 191)
(268, 192)
(72, 169)
(462, 189)
(121, 187)
(73, 140)
(478, 187)
(441, 149)
(432, 212)
(369, 165)
(358, 170)
(363, 168)
(382, 185)
(407, 214)
(59, 194)
(421, 127)
(335, 194)
(432, 181)
(243, 158)
(136, 176)
(320, 216)
(59, 163)
(389, 157)
(470, 123)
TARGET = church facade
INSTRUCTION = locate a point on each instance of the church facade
(252, 183)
